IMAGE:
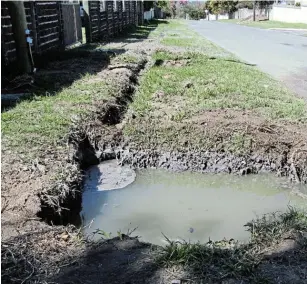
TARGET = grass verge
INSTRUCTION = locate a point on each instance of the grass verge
(177, 36)
(267, 24)
(181, 90)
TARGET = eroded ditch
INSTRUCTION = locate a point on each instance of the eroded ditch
(89, 144)
(102, 138)
(94, 145)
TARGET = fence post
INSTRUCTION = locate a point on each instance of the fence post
(87, 20)
(99, 24)
(113, 18)
(137, 12)
(107, 36)
(142, 12)
(61, 25)
(34, 28)
(19, 26)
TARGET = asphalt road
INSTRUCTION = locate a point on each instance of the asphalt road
(281, 54)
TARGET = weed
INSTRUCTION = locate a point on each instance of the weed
(271, 228)
(103, 234)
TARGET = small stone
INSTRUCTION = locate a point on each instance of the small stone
(273, 166)
(65, 236)
(176, 281)
(245, 171)
(188, 85)
(41, 168)
(159, 94)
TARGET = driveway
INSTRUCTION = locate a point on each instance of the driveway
(280, 54)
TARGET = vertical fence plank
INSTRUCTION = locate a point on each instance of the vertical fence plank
(34, 28)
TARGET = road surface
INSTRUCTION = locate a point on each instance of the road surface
(283, 55)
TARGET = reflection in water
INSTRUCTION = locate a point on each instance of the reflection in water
(188, 206)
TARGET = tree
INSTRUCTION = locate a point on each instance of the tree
(19, 26)
(171, 8)
(165, 7)
(220, 7)
(162, 4)
(245, 4)
(262, 4)
(249, 4)
(195, 12)
(148, 5)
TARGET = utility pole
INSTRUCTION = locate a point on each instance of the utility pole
(19, 27)
(254, 11)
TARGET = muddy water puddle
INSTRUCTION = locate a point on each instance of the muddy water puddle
(190, 206)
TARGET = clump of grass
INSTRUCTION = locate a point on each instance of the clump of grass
(177, 42)
(210, 261)
(240, 143)
(271, 228)
(218, 260)
(126, 58)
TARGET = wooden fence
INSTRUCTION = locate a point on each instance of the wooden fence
(44, 23)
(52, 25)
(109, 18)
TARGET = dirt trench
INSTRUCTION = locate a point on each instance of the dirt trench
(37, 238)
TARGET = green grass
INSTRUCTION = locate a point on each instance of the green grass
(187, 82)
(177, 34)
(182, 42)
(268, 24)
(45, 120)
(219, 83)
(170, 97)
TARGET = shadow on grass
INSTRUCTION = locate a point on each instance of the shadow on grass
(119, 260)
(266, 259)
(57, 70)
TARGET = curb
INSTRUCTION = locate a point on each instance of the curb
(287, 29)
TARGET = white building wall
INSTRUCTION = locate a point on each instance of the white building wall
(289, 14)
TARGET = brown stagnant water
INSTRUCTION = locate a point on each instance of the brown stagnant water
(189, 206)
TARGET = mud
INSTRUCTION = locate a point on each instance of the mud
(107, 176)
